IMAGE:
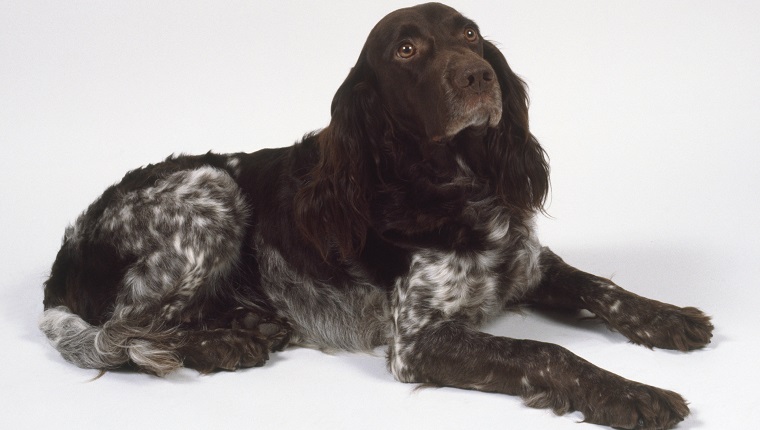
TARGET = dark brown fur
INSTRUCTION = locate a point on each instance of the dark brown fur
(407, 222)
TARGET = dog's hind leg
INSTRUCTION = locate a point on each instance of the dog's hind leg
(643, 321)
(177, 244)
(242, 337)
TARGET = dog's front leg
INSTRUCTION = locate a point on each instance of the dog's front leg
(433, 344)
(644, 321)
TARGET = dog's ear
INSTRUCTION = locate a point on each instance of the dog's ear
(332, 209)
(517, 160)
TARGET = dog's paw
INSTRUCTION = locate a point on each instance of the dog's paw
(637, 406)
(225, 349)
(246, 344)
(265, 325)
(669, 327)
(269, 327)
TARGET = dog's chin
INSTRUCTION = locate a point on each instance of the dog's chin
(477, 120)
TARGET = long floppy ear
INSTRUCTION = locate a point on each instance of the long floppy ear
(332, 209)
(517, 160)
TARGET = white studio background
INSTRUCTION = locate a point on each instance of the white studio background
(649, 111)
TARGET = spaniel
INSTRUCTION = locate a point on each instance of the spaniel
(407, 222)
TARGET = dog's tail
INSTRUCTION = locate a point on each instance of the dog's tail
(111, 345)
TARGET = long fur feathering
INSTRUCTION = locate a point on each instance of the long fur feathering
(407, 222)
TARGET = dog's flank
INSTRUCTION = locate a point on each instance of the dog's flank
(407, 222)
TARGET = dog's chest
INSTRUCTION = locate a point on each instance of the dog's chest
(456, 284)
(473, 284)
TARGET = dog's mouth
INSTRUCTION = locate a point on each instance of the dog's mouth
(474, 111)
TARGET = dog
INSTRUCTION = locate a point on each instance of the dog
(407, 222)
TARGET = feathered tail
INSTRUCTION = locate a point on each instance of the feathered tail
(111, 345)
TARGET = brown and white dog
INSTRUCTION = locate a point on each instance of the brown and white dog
(407, 222)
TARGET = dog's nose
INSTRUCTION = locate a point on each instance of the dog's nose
(477, 78)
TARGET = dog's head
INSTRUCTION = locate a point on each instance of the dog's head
(425, 77)
(430, 71)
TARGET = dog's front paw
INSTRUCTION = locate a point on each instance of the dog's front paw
(637, 406)
(669, 327)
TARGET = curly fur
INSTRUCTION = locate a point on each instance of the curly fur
(407, 222)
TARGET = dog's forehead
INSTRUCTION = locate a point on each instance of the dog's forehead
(409, 21)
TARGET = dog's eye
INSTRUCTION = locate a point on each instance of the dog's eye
(470, 34)
(406, 50)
